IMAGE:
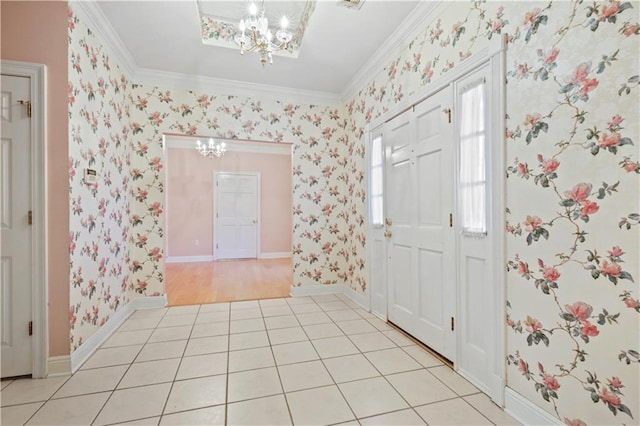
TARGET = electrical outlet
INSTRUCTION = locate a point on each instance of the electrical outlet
(197, 242)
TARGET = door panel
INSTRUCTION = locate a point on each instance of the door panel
(15, 196)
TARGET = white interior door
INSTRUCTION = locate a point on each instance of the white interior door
(419, 201)
(237, 215)
(15, 190)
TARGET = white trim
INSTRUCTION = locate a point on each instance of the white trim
(98, 23)
(316, 290)
(275, 255)
(525, 411)
(189, 259)
(232, 145)
(361, 299)
(59, 366)
(88, 348)
(93, 343)
(406, 31)
(37, 74)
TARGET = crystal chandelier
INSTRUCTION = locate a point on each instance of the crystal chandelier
(255, 36)
(211, 149)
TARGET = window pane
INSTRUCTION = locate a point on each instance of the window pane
(376, 151)
(376, 181)
(376, 211)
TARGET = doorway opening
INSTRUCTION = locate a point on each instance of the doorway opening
(228, 232)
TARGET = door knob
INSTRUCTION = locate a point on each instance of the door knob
(388, 234)
(254, 221)
(388, 222)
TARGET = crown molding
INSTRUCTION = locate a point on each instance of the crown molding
(232, 145)
(91, 12)
(234, 87)
(407, 30)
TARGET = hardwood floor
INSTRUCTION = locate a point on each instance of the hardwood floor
(228, 280)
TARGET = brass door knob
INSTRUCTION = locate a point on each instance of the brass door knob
(388, 234)
(388, 222)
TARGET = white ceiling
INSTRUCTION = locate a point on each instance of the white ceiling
(164, 38)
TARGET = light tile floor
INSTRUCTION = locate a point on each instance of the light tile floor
(307, 360)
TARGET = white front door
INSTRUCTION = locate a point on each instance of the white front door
(236, 215)
(15, 190)
(419, 201)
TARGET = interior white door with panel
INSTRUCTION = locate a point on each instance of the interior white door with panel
(237, 213)
(419, 202)
(16, 217)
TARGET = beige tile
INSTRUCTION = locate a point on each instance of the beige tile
(177, 320)
(379, 324)
(212, 317)
(207, 345)
(140, 323)
(368, 342)
(285, 321)
(321, 331)
(149, 421)
(253, 384)
(313, 318)
(344, 315)
(325, 298)
(334, 346)
(490, 410)
(23, 391)
(18, 414)
(247, 304)
(214, 307)
(202, 365)
(333, 306)
(304, 376)
(289, 353)
(77, 410)
(112, 356)
(398, 338)
(170, 333)
(276, 311)
(210, 329)
(162, 350)
(126, 404)
(397, 418)
(149, 313)
(455, 381)
(254, 339)
(422, 356)
(149, 373)
(372, 396)
(196, 393)
(306, 308)
(420, 387)
(5, 383)
(203, 416)
(364, 314)
(348, 368)
(125, 338)
(245, 326)
(250, 359)
(183, 310)
(299, 300)
(451, 412)
(311, 407)
(90, 381)
(241, 314)
(356, 327)
(267, 303)
(269, 411)
(287, 335)
(389, 361)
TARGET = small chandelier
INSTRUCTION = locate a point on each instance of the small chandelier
(255, 36)
(211, 149)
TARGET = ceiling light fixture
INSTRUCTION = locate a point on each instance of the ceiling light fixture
(254, 35)
(211, 149)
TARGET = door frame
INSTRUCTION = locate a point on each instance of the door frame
(494, 55)
(37, 74)
(258, 209)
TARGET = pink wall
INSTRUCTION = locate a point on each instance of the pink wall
(190, 199)
(37, 32)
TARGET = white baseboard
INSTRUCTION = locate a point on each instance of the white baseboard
(88, 348)
(359, 298)
(315, 290)
(151, 302)
(525, 411)
(189, 259)
(275, 255)
(59, 366)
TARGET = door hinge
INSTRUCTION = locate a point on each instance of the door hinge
(30, 217)
(448, 112)
(30, 328)
(452, 324)
(216, 245)
(28, 104)
(450, 220)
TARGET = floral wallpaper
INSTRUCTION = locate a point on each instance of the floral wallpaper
(99, 217)
(572, 181)
(573, 170)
